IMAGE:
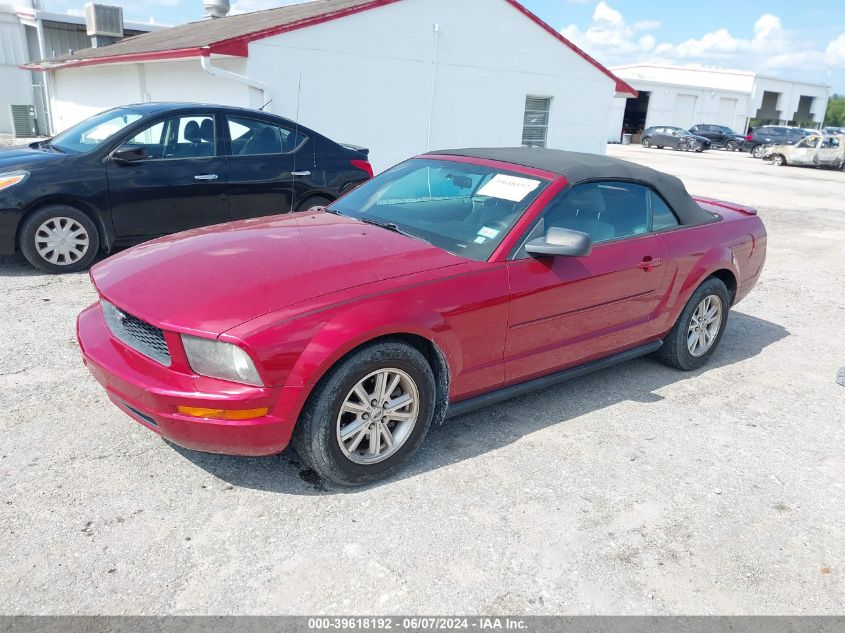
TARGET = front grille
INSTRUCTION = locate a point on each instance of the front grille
(137, 334)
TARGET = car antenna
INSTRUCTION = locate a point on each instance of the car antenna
(295, 138)
(261, 109)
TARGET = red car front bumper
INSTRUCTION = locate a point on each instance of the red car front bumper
(150, 393)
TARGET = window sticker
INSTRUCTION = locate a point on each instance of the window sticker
(490, 234)
(510, 188)
(480, 240)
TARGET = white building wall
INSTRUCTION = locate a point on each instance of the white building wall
(723, 97)
(15, 86)
(79, 93)
(367, 79)
(790, 94)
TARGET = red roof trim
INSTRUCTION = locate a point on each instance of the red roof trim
(177, 53)
(236, 46)
(621, 86)
(239, 46)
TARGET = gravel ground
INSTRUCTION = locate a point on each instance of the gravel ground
(7, 140)
(638, 490)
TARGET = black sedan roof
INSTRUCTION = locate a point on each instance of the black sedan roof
(578, 167)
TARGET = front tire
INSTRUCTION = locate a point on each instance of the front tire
(699, 330)
(779, 160)
(316, 201)
(59, 239)
(646, 142)
(368, 415)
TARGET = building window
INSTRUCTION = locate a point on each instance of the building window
(535, 130)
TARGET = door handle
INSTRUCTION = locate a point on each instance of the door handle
(650, 263)
(207, 177)
(301, 173)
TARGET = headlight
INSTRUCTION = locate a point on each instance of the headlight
(12, 178)
(217, 359)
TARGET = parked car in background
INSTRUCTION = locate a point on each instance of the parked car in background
(674, 137)
(819, 150)
(455, 280)
(836, 131)
(771, 135)
(140, 171)
(719, 136)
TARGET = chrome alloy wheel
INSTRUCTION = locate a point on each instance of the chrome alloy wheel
(704, 326)
(378, 416)
(61, 241)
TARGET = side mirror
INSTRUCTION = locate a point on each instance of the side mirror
(129, 154)
(560, 243)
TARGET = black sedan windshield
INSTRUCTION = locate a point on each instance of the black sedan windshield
(463, 208)
(85, 136)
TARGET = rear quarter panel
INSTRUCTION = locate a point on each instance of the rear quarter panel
(737, 243)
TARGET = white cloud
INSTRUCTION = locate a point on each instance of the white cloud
(770, 46)
(604, 13)
(835, 52)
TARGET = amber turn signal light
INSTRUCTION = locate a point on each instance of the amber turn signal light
(223, 414)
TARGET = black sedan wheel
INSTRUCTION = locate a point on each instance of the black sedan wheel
(59, 239)
(731, 146)
(757, 152)
(368, 415)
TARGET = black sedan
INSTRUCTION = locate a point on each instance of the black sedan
(757, 141)
(674, 137)
(141, 171)
(719, 136)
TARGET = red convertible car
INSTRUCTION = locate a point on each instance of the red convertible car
(454, 280)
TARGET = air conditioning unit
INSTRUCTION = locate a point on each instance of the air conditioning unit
(24, 122)
(103, 20)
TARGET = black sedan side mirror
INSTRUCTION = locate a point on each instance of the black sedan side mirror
(560, 243)
(129, 154)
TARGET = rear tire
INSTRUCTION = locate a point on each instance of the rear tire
(699, 330)
(315, 201)
(757, 152)
(731, 146)
(59, 239)
(338, 433)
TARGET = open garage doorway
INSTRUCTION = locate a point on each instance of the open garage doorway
(636, 111)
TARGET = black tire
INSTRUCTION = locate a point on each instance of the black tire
(314, 201)
(60, 213)
(779, 160)
(757, 151)
(659, 147)
(315, 437)
(646, 142)
(675, 351)
(731, 146)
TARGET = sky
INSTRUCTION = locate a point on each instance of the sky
(775, 37)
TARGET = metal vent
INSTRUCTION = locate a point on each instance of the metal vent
(103, 20)
(137, 334)
(24, 123)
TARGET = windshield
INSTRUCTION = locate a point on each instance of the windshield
(462, 208)
(85, 136)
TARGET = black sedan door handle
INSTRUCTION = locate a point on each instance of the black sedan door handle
(301, 173)
(207, 177)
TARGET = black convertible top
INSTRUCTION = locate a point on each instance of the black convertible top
(578, 167)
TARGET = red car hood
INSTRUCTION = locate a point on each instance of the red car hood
(212, 279)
